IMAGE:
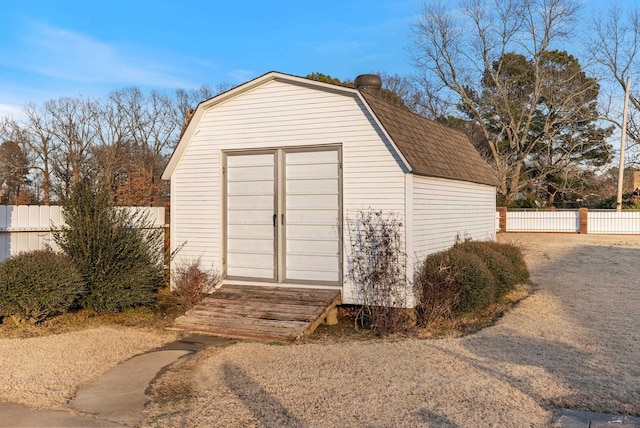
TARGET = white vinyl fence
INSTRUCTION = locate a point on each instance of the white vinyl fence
(568, 221)
(27, 228)
(612, 222)
(543, 221)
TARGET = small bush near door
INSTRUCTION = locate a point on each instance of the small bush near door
(37, 285)
(192, 283)
(466, 278)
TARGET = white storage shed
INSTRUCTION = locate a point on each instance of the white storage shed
(267, 174)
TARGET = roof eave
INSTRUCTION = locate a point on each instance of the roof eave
(466, 180)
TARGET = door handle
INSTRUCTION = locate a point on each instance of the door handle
(282, 219)
(275, 217)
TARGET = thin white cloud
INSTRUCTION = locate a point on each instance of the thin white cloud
(13, 98)
(372, 58)
(68, 55)
(10, 110)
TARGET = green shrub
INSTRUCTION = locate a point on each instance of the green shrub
(455, 278)
(504, 261)
(466, 278)
(477, 281)
(117, 251)
(629, 202)
(519, 271)
(37, 285)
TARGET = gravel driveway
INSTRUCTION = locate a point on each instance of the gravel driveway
(574, 343)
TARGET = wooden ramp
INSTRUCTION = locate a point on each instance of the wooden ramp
(262, 313)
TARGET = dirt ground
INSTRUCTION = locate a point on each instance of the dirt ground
(575, 343)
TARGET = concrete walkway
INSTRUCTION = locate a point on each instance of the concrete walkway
(579, 419)
(119, 394)
(20, 416)
(115, 399)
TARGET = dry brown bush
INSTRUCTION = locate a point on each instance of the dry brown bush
(376, 263)
(192, 283)
(438, 291)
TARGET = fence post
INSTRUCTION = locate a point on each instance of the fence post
(167, 229)
(502, 224)
(583, 213)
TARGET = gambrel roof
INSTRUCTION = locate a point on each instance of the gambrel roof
(426, 147)
(432, 149)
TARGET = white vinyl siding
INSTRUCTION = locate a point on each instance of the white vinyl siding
(280, 115)
(444, 210)
(195, 209)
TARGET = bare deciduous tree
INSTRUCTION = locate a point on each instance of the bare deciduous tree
(402, 91)
(135, 131)
(495, 61)
(187, 101)
(615, 46)
(124, 139)
(14, 170)
(111, 153)
(35, 132)
(74, 127)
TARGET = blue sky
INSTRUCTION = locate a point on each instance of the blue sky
(59, 48)
(50, 49)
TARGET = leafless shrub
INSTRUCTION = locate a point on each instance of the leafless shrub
(376, 263)
(192, 283)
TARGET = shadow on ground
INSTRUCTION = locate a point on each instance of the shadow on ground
(435, 420)
(597, 292)
(266, 408)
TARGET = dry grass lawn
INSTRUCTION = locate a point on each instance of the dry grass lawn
(45, 372)
(574, 343)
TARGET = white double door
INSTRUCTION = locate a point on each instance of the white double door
(283, 215)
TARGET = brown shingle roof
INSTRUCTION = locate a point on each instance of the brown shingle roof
(430, 148)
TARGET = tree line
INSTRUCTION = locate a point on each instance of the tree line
(123, 139)
(536, 86)
(543, 117)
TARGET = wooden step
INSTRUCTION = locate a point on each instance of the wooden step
(259, 313)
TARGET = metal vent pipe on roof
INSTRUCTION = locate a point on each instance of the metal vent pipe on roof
(369, 83)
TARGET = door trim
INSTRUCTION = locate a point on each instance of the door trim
(225, 212)
(280, 209)
(283, 196)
